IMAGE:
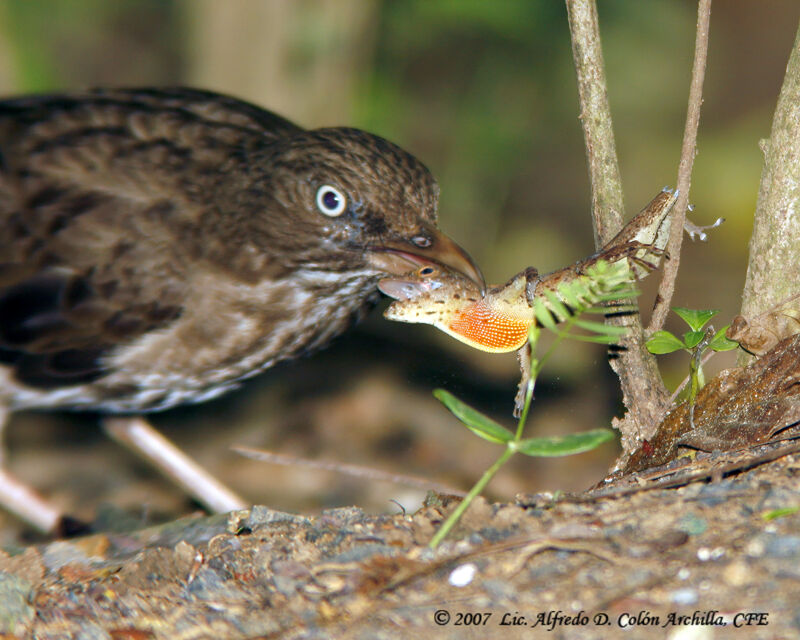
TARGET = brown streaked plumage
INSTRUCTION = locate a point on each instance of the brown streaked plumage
(159, 246)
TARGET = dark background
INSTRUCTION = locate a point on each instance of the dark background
(484, 93)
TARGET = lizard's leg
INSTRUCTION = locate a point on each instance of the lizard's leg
(524, 357)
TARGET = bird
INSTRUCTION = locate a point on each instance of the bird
(159, 246)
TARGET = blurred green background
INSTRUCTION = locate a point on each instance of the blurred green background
(484, 93)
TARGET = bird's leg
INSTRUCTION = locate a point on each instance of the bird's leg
(20, 499)
(23, 502)
(5, 414)
(137, 434)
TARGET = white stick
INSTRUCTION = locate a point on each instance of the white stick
(23, 502)
(137, 434)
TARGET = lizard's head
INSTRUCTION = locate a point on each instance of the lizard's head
(497, 322)
(428, 295)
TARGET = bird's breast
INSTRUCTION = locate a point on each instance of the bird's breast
(231, 333)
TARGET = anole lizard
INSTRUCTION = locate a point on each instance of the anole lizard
(498, 321)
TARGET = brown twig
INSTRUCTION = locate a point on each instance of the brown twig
(357, 471)
(643, 391)
(688, 151)
(595, 117)
(714, 465)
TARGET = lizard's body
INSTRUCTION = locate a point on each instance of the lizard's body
(498, 321)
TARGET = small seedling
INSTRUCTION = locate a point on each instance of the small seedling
(695, 342)
(599, 290)
(779, 513)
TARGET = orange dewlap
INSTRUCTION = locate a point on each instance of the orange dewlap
(486, 329)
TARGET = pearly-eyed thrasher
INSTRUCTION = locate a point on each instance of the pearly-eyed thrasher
(159, 246)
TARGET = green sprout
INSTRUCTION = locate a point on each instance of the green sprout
(779, 513)
(599, 290)
(695, 342)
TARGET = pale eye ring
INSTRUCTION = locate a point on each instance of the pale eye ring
(331, 201)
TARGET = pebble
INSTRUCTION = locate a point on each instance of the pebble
(736, 574)
(463, 574)
(686, 597)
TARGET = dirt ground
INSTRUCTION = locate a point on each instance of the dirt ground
(704, 557)
(701, 545)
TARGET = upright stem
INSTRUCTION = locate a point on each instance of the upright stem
(595, 116)
(476, 490)
(688, 152)
(643, 392)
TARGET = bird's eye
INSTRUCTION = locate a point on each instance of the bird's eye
(421, 241)
(331, 201)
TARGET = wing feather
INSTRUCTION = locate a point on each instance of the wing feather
(95, 189)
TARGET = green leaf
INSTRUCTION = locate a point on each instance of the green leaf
(617, 294)
(583, 337)
(543, 315)
(601, 328)
(692, 338)
(695, 318)
(556, 306)
(720, 342)
(588, 293)
(563, 445)
(615, 309)
(611, 273)
(598, 339)
(663, 342)
(475, 421)
(779, 513)
(572, 296)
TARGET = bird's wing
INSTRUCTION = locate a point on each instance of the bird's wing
(211, 107)
(102, 218)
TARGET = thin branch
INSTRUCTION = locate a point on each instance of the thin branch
(356, 471)
(688, 151)
(595, 116)
(685, 470)
(643, 391)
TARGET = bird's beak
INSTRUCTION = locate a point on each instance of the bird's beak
(398, 257)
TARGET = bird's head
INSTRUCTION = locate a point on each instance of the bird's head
(368, 205)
